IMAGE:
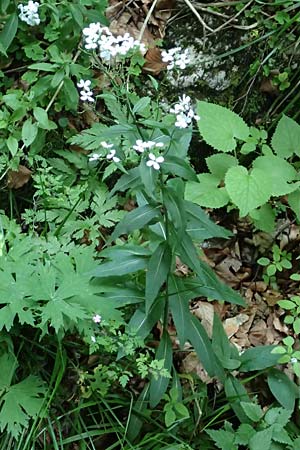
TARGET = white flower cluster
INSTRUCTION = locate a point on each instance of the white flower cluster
(184, 112)
(85, 94)
(29, 13)
(176, 58)
(153, 161)
(110, 156)
(140, 146)
(97, 37)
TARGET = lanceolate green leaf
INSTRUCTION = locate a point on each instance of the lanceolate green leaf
(158, 387)
(157, 272)
(135, 220)
(177, 166)
(135, 422)
(236, 393)
(8, 32)
(284, 390)
(197, 335)
(175, 210)
(179, 305)
(124, 267)
(220, 127)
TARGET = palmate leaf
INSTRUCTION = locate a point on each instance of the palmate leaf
(21, 402)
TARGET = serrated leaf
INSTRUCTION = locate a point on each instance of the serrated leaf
(219, 164)
(247, 190)
(158, 387)
(253, 411)
(21, 402)
(114, 107)
(281, 175)
(261, 440)
(157, 272)
(8, 364)
(283, 389)
(220, 127)
(244, 434)
(223, 439)
(206, 192)
(286, 139)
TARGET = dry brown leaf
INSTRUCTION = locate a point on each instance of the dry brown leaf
(205, 312)
(191, 363)
(232, 325)
(154, 64)
(17, 178)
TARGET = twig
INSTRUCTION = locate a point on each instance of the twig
(147, 20)
(192, 8)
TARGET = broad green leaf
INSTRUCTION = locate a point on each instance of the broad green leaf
(21, 402)
(279, 416)
(264, 218)
(12, 145)
(283, 389)
(286, 304)
(281, 174)
(248, 190)
(219, 164)
(178, 166)
(200, 226)
(158, 387)
(253, 411)
(236, 393)
(8, 32)
(135, 220)
(157, 272)
(286, 139)
(258, 358)
(179, 304)
(29, 132)
(198, 337)
(41, 116)
(135, 422)
(220, 127)
(206, 192)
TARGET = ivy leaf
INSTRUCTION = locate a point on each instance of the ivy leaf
(248, 190)
(286, 139)
(220, 127)
(21, 402)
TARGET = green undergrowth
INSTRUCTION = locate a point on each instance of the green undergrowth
(101, 236)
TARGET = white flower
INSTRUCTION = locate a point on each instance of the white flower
(184, 112)
(293, 360)
(93, 339)
(84, 84)
(86, 96)
(176, 58)
(91, 35)
(112, 156)
(106, 145)
(155, 161)
(97, 318)
(29, 13)
(95, 157)
(140, 146)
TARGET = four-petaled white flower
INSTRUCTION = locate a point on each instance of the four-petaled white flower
(155, 161)
(29, 13)
(93, 339)
(112, 156)
(106, 145)
(86, 94)
(97, 318)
